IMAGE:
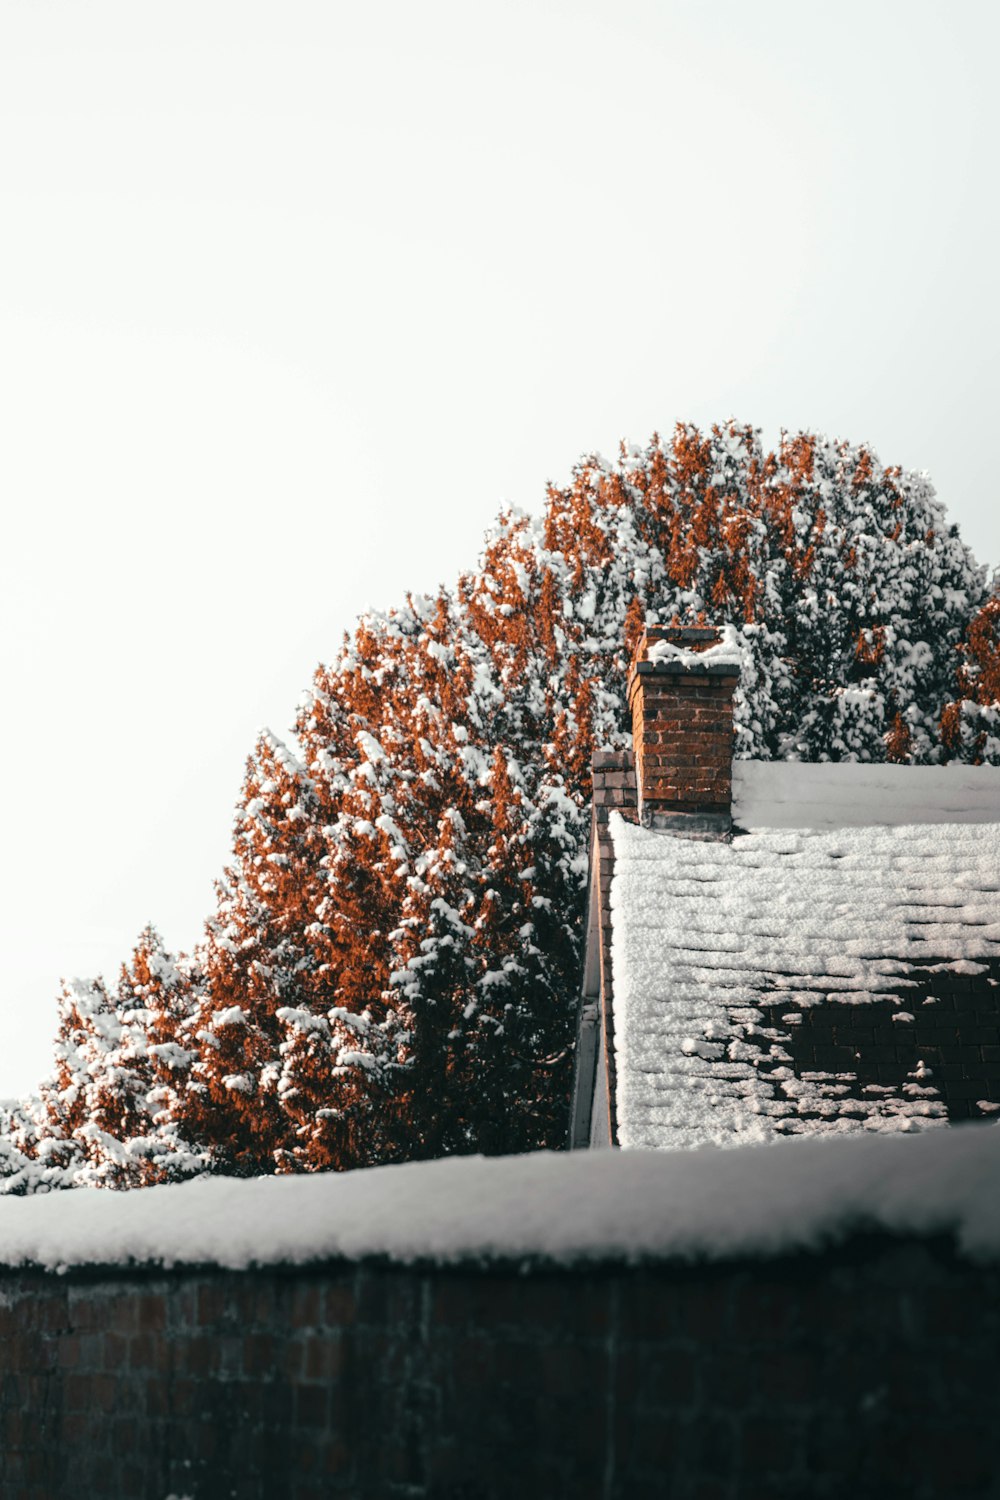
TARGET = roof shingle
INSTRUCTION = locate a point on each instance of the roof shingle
(787, 981)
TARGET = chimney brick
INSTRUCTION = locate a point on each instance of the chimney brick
(682, 730)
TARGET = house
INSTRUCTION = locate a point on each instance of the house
(779, 948)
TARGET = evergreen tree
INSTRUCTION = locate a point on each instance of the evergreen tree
(256, 960)
(971, 722)
(420, 945)
(156, 1001)
(108, 1115)
(28, 1153)
(392, 966)
(89, 1101)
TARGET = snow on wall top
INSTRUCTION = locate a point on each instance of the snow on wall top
(706, 934)
(797, 794)
(567, 1207)
(726, 651)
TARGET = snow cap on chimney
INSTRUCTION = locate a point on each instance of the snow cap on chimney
(680, 691)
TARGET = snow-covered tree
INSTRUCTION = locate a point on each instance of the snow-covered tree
(109, 1114)
(392, 965)
(971, 723)
(157, 1000)
(285, 1073)
(29, 1155)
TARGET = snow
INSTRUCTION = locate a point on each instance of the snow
(727, 651)
(430, 702)
(232, 1015)
(705, 934)
(796, 794)
(563, 1207)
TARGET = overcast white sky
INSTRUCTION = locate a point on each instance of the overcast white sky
(293, 295)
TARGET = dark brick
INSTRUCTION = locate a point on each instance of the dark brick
(323, 1357)
(963, 1088)
(114, 1350)
(121, 1314)
(259, 1355)
(311, 1406)
(306, 1304)
(199, 1355)
(151, 1312)
(861, 1370)
(211, 1302)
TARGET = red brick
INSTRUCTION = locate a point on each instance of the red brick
(200, 1356)
(306, 1302)
(14, 1424)
(472, 1364)
(311, 1406)
(120, 1313)
(206, 1441)
(336, 1456)
(68, 1351)
(323, 1357)
(144, 1351)
(157, 1400)
(77, 1392)
(573, 1370)
(124, 1436)
(133, 1478)
(151, 1312)
(101, 1391)
(185, 1397)
(211, 1303)
(76, 1427)
(259, 1354)
(291, 1358)
(114, 1349)
(50, 1314)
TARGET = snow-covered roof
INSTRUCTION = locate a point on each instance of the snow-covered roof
(566, 1207)
(797, 794)
(721, 950)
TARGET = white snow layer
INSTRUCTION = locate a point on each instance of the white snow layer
(727, 651)
(818, 795)
(566, 1207)
(704, 933)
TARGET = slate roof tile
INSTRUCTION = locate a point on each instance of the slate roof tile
(788, 980)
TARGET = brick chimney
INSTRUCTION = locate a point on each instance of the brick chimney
(680, 691)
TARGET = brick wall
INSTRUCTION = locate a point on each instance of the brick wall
(682, 728)
(868, 1371)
